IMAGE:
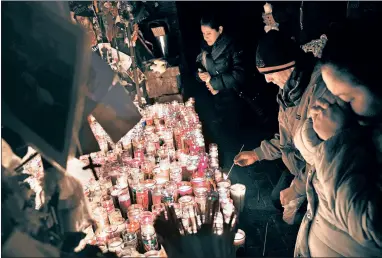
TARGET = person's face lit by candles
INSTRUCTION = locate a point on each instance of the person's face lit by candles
(279, 78)
(210, 35)
(362, 101)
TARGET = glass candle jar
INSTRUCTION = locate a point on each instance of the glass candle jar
(176, 173)
(142, 195)
(107, 203)
(151, 158)
(135, 163)
(130, 239)
(186, 201)
(151, 148)
(124, 199)
(228, 210)
(191, 169)
(136, 207)
(218, 175)
(164, 168)
(105, 181)
(168, 138)
(132, 226)
(184, 188)
(201, 198)
(214, 163)
(115, 245)
(101, 217)
(134, 215)
(139, 152)
(127, 147)
(224, 184)
(121, 181)
(149, 129)
(149, 238)
(121, 226)
(147, 169)
(169, 192)
(239, 240)
(154, 139)
(218, 223)
(149, 184)
(114, 192)
(149, 120)
(203, 164)
(147, 218)
(213, 150)
(157, 195)
(177, 137)
(238, 196)
(115, 216)
(223, 193)
(126, 157)
(200, 192)
(198, 182)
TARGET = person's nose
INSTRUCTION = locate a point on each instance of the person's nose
(268, 78)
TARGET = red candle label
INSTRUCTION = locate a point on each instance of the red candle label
(143, 198)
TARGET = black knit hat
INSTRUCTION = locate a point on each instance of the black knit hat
(275, 53)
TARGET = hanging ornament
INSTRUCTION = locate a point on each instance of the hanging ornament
(316, 46)
(270, 23)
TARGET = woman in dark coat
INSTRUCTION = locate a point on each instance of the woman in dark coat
(221, 69)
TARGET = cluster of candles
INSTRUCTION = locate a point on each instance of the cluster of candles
(163, 163)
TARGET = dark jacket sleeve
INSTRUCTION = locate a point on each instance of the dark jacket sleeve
(348, 171)
(233, 77)
(269, 149)
(198, 65)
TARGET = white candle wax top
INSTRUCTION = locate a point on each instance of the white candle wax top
(184, 188)
(239, 237)
(239, 188)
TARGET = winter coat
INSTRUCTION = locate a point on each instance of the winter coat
(344, 192)
(301, 91)
(223, 61)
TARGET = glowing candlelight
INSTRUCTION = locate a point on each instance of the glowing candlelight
(184, 188)
(238, 196)
(239, 238)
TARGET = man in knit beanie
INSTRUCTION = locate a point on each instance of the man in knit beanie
(283, 63)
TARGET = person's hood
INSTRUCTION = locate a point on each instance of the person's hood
(298, 81)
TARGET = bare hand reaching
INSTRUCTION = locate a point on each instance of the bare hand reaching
(205, 76)
(245, 158)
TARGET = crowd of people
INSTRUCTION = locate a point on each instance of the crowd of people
(330, 125)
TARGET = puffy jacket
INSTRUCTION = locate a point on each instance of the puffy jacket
(301, 91)
(344, 192)
(223, 61)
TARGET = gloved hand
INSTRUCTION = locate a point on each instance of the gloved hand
(245, 158)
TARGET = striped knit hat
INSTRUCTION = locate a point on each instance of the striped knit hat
(276, 52)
